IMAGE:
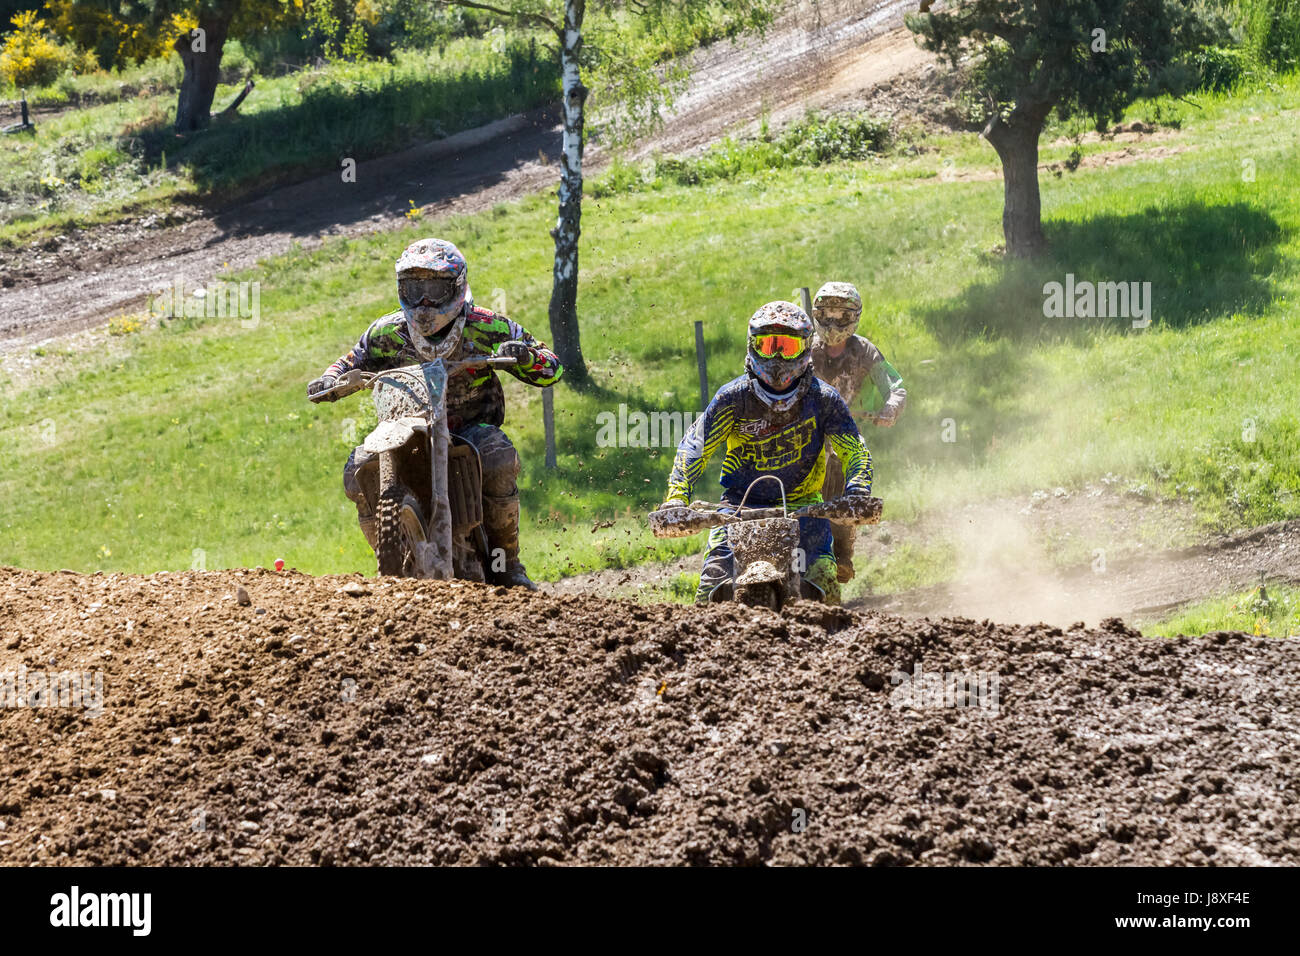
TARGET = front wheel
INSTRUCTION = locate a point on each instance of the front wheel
(761, 594)
(401, 530)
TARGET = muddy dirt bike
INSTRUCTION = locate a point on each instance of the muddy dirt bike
(428, 498)
(764, 541)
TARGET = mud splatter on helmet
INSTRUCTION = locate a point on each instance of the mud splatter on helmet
(837, 307)
(432, 287)
(778, 358)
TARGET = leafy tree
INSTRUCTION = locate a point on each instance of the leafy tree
(611, 44)
(114, 42)
(1088, 57)
(30, 55)
(200, 47)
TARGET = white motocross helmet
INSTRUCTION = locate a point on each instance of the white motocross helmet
(778, 358)
(433, 290)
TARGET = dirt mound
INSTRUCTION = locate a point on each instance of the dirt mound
(254, 717)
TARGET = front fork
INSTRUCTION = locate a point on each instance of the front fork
(440, 515)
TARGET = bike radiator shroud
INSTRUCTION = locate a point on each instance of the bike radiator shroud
(464, 488)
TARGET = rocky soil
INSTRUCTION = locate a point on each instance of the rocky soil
(255, 717)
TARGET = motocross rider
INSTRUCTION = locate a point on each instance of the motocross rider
(776, 419)
(438, 319)
(846, 360)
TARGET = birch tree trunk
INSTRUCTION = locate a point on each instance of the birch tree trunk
(564, 291)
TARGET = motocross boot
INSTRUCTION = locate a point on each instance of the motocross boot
(822, 573)
(501, 522)
(844, 534)
(370, 528)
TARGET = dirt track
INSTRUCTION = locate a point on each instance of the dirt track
(79, 280)
(446, 723)
(1155, 561)
(1142, 586)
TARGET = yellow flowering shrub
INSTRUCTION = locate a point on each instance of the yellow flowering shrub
(30, 55)
(115, 42)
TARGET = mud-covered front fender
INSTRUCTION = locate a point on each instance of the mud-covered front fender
(761, 572)
(391, 435)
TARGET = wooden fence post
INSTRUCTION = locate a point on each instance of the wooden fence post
(548, 424)
(702, 362)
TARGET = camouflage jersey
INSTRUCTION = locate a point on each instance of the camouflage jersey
(790, 445)
(847, 371)
(474, 396)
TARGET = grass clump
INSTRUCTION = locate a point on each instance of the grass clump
(1264, 611)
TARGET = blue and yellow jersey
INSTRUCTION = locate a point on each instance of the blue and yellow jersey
(790, 445)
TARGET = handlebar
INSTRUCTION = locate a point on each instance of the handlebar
(356, 380)
(702, 515)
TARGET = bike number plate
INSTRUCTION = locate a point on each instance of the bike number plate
(412, 390)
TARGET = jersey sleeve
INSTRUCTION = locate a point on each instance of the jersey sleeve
(889, 384)
(376, 350)
(843, 435)
(546, 370)
(698, 445)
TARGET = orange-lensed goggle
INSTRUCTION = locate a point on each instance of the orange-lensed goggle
(786, 346)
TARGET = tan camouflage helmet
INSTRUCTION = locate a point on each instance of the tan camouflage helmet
(837, 307)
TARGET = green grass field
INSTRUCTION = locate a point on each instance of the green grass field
(197, 435)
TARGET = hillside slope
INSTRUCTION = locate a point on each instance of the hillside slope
(77, 281)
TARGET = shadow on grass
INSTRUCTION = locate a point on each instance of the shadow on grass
(1203, 262)
(380, 113)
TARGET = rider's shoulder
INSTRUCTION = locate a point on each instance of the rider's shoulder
(820, 390)
(864, 348)
(394, 323)
(480, 316)
(734, 389)
(484, 322)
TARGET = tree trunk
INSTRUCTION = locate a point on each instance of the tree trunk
(200, 53)
(1016, 142)
(564, 291)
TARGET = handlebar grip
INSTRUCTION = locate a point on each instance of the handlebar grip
(682, 522)
(340, 389)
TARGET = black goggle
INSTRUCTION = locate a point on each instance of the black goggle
(836, 315)
(438, 290)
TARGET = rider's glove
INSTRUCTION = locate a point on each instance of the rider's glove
(322, 384)
(887, 416)
(521, 352)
